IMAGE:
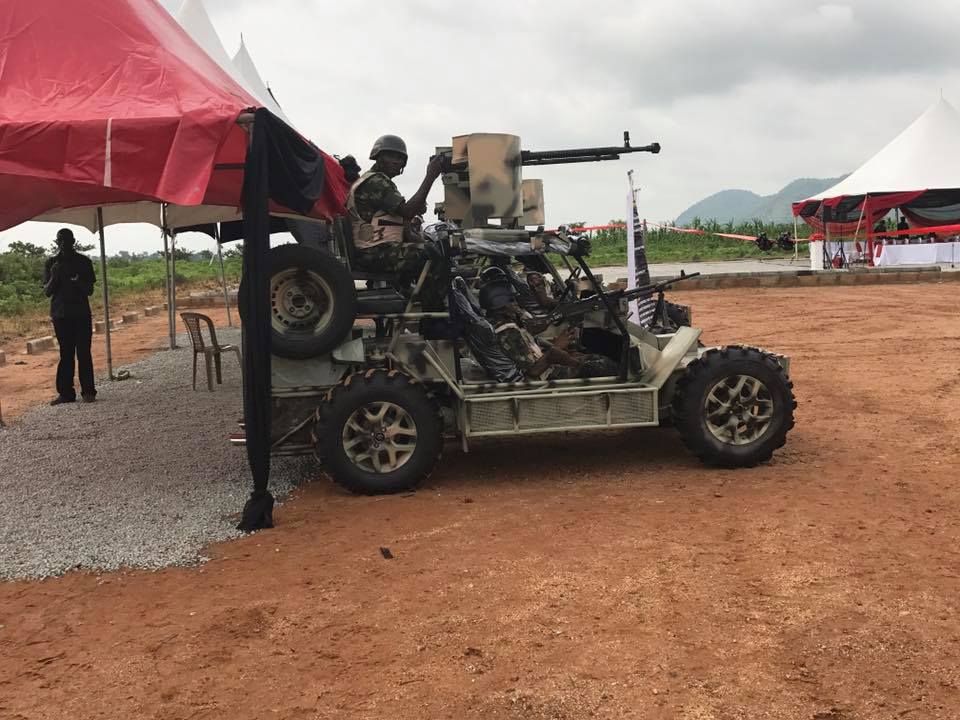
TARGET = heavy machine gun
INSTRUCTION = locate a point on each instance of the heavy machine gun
(482, 178)
(453, 162)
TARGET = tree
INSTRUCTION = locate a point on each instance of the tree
(26, 249)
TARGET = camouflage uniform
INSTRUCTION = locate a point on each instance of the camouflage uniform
(519, 345)
(377, 193)
(590, 366)
(523, 349)
(374, 194)
(385, 242)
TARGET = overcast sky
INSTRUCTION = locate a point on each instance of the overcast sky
(742, 94)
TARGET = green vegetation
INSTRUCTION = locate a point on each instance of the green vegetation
(21, 267)
(21, 276)
(609, 247)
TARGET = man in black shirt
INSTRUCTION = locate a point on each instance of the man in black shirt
(68, 280)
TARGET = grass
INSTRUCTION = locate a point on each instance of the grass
(609, 247)
(133, 283)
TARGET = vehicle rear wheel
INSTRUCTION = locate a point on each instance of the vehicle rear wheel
(313, 301)
(734, 406)
(378, 432)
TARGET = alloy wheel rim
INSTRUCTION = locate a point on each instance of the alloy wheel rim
(379, 437)
(738, 410)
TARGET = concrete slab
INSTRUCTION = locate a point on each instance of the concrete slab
(40, 345)
(3, 358)
(131, 317)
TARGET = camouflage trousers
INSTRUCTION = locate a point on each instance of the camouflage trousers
(405, 260)
(391, 258)
(591, 366)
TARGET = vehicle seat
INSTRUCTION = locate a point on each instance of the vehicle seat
(481, 338)
(381, 301)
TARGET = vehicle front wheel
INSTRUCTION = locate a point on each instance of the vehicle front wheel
(378, 432)
(734, 406)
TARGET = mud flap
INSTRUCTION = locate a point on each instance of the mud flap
(680, 344)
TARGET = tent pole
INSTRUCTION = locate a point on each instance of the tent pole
(796, 245)
(223, 275)
(173, 289)
(106, 292)
(167, 256)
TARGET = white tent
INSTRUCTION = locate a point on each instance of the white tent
(254, 83)
(193, 18)
(925, 156)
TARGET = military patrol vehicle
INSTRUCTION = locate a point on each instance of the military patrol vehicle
(374, 384)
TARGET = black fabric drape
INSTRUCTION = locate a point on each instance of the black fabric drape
(233, 230)
(282, 166)
(205, 228)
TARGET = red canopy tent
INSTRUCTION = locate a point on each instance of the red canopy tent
(109, 105)
(140, 113)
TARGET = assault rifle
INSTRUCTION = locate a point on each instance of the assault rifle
(562, 157)
(574, 312)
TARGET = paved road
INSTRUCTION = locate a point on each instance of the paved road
(713, 268)
(661, 270)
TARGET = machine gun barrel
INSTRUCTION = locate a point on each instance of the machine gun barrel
(578, 155)
(645, 290)
(575, 311)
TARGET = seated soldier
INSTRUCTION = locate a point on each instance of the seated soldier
(381, 217)
(536, 360)
(538, 285)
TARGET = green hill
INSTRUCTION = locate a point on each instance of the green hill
(742, 205)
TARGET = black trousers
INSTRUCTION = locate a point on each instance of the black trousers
(74, 335)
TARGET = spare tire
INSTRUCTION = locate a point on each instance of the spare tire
(313, 301)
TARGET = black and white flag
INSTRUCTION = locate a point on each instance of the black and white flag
(637, 269)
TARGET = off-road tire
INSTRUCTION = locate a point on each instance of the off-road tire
(713, 370)
(327, 308)
(373, 389)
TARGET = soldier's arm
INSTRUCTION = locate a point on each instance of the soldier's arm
(417, 204)
(540, 293)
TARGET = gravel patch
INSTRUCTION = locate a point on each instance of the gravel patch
(143, 478)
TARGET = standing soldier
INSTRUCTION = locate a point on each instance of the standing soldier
(68, 280)
(381, 217)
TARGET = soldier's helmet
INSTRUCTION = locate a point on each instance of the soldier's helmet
(492, 273)
(496, 294)
(388, 142)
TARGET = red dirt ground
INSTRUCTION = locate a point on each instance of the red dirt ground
(576, 576)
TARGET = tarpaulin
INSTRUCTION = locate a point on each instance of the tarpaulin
(110, 101)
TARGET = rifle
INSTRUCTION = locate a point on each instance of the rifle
(562, 157)
(574, 312)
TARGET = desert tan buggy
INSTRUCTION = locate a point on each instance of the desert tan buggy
(373, 382)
